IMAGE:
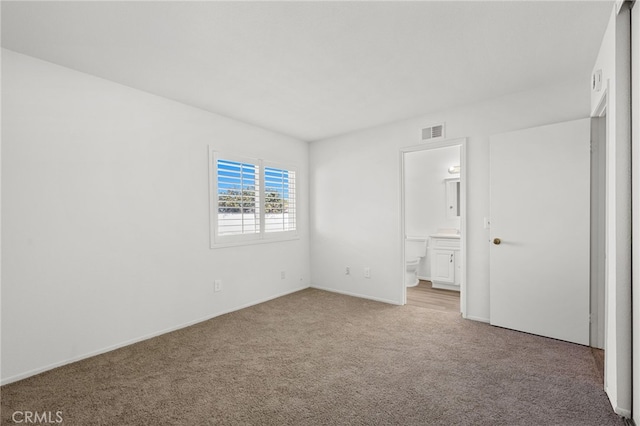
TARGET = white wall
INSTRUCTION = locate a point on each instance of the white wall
(355, 191)
(426, 199)
(426, 195)
(614, 61)
(105, 217)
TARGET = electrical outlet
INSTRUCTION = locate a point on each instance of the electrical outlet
(347, 271)
(367, 272)
(217, 285)
(283, 275)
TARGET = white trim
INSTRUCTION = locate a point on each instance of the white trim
(479, 319)
(462, 143)
(276, 238)
(403, 257)
(35, 371)
(635, 210)
(213, 189)
(598, 275)
(358, 295)
(601, 109)
(622, 412)
(433, 145)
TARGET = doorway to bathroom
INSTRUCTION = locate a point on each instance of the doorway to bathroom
(433, 217)
(424, 295)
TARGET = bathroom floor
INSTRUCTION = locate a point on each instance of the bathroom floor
(425, 296)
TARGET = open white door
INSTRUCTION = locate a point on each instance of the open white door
(539, 256)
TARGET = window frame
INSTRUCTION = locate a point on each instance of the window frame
(217, 240)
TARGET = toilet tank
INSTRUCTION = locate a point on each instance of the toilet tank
(415, 246)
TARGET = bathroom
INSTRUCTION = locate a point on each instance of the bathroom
(432, 207)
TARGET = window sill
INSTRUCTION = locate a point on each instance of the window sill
(269, 240)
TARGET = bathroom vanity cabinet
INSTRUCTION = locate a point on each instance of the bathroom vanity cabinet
(445, 261)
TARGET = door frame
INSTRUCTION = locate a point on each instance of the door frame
(462, 143)
(635, 209)
(599, 228)
(600, 113)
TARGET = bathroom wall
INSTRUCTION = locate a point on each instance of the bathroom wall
(425, 194)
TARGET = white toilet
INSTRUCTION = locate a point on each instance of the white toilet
(415, 248)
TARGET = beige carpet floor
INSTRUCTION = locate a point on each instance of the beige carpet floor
(318, 358)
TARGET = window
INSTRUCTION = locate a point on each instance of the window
(279, 200)
(238, 198)
(252, 200)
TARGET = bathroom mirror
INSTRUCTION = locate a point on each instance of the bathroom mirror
(452, 190)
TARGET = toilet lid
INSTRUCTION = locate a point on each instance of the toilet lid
(413, 262)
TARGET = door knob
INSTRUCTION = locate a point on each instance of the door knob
(496, 241)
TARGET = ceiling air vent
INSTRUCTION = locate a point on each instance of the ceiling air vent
(434, 132)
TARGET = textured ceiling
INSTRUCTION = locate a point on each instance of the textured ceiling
(316, 69)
